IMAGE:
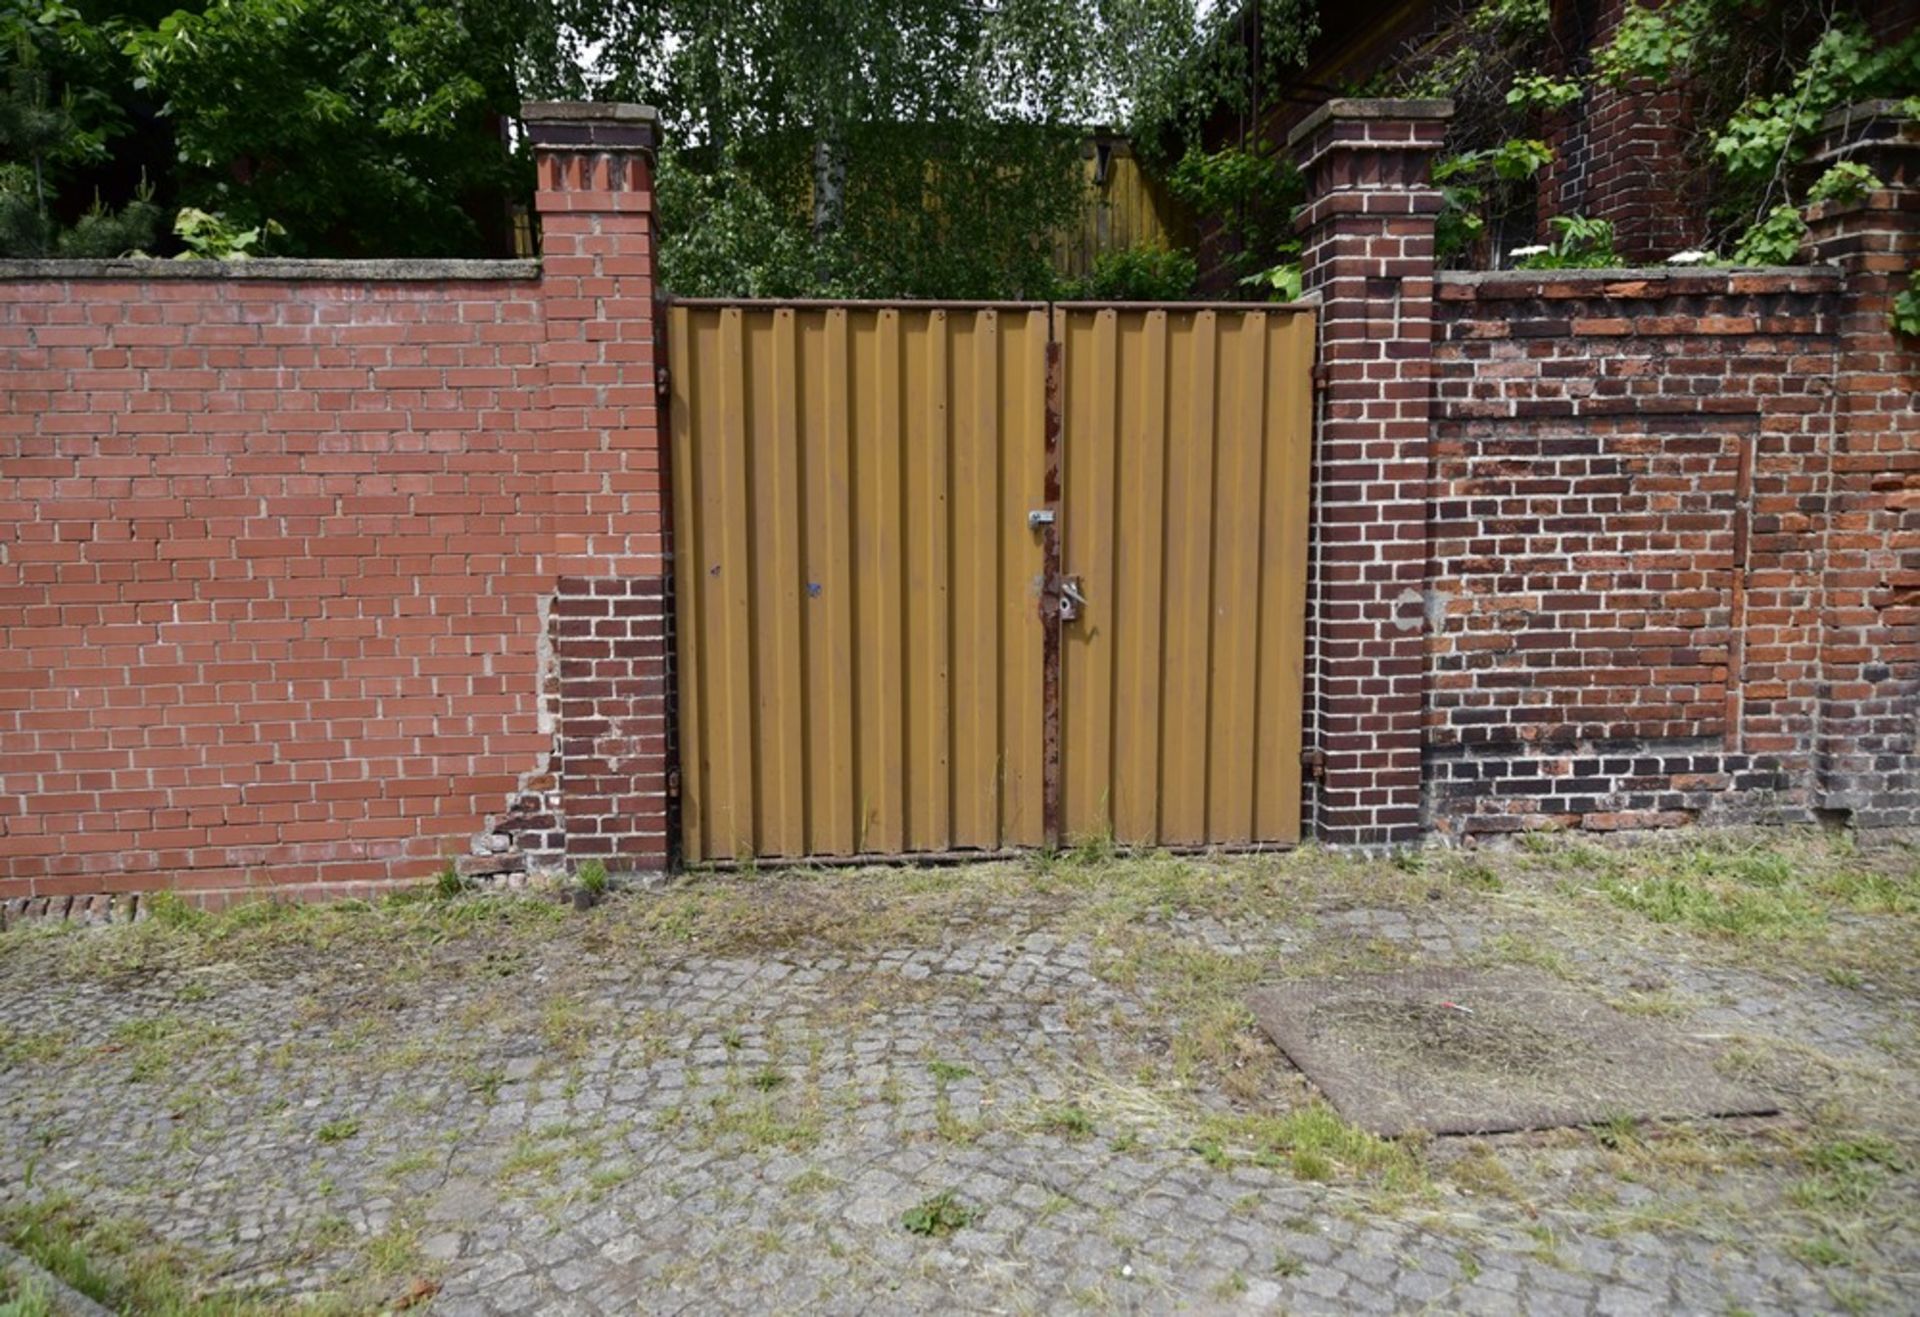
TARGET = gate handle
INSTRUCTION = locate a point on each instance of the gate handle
(1071, 600)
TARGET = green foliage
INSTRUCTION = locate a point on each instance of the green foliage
(1473, 183)
(854, 148)
(448, 883)
(1768, 132)
(208, 237)
(1176, 65)
(939, 1216)
(1905, 318)
(365, 127)
(1656, 42)
(1137, 274)
(1848, 181)
(51, 132)
(1774, 240)
(1252, 195)
(1537, 91)
(1579, 243)
(593, 878)
(1282, 282)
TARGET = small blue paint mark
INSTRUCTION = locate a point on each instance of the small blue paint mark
(813, 589)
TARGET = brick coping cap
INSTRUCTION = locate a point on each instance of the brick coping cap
(1343, 107)
(383, 271)
(1581, 279)
(587, 111)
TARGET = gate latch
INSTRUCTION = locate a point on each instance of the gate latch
(1039, 517)
(1071, 600)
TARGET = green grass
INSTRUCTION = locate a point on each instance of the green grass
(1314, 1143)
(23, 1296)
(1744, 891)
(338, 1131)
(115, 1265)
(940, 1216)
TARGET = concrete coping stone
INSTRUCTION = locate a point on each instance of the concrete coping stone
(373, 271)
(1885, 108)
(588, 112)
(1518, 279)
(1347, 107)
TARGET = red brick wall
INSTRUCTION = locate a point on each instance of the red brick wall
(1622, 591)
(279, 549)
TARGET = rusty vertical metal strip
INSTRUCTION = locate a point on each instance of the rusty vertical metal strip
(1052, 785)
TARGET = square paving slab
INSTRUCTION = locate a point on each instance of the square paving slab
(1487, 1051)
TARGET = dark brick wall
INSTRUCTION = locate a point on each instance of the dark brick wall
(1368, 228)
(1621, 586)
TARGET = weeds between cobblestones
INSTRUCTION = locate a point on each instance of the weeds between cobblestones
(1020, 1085)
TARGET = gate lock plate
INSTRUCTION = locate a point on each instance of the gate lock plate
(1071, 600)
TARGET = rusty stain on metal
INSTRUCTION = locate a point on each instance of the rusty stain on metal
(1052, 618)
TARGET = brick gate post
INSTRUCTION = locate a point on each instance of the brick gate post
(1868, 749)
(1368, 226)
(604, 477)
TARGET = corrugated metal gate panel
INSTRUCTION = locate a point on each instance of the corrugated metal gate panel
(1186, 449)
(860, 655)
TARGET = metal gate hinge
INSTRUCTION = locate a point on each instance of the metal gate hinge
(660, 379)
(1315, 762)
(1320, 376)
(1039, 517)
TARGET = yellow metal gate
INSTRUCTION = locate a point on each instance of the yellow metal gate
(968, 578)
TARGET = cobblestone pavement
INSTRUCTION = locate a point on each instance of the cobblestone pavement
(736, 1094)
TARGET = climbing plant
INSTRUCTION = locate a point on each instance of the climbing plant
(1758, 77)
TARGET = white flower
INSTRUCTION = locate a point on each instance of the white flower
(1521, 253)
(1694, 257)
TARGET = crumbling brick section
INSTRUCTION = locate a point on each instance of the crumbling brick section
(1368, 229)
(1870, 733)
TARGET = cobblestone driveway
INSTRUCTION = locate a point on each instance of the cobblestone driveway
(736, 1093)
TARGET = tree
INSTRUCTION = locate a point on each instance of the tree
(917, 147)
(57, 119)
(362, 126)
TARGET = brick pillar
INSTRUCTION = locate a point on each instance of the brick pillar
(1368, 227)
(1869, 741)
(605, 461)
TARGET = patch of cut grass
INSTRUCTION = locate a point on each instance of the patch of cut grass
(21, 1047)
(126, 1271)
(761, 1123)
(161, 1044)
(1315, 1143)
(1069, 1120)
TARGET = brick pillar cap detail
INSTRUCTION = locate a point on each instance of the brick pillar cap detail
(1368, 108)
(590, 125)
